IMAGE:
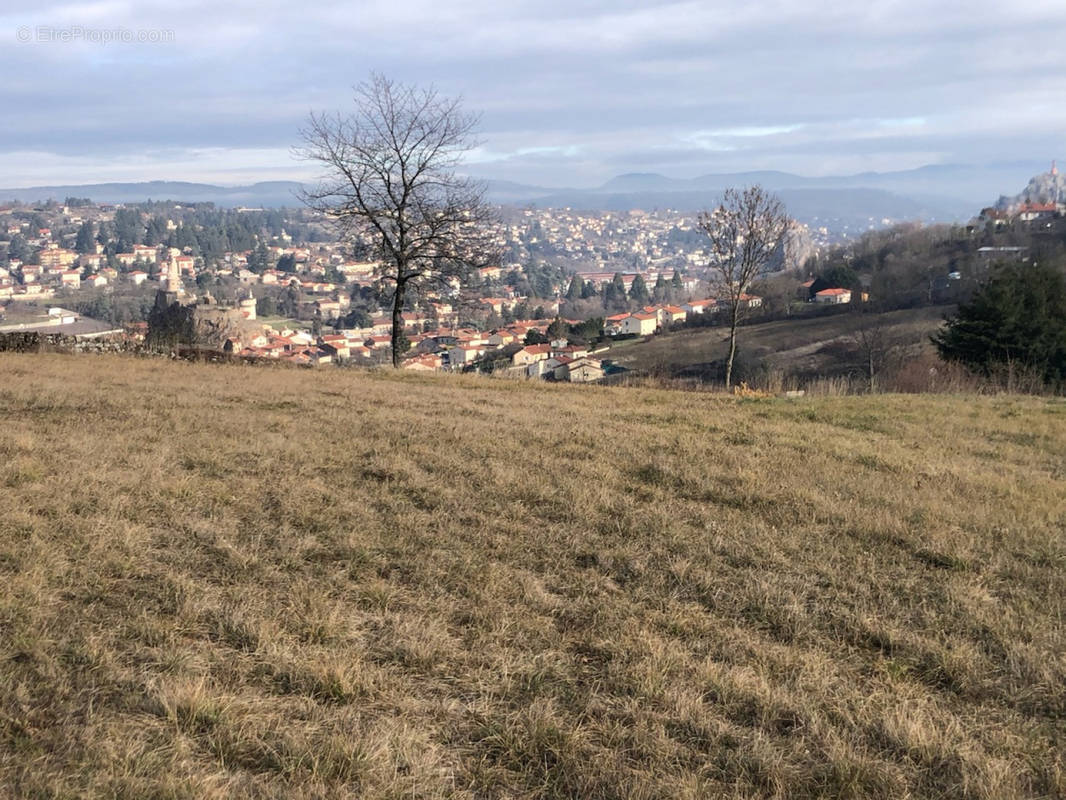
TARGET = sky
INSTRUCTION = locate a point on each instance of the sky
(569, 93)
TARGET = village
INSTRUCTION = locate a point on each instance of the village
(310, 303)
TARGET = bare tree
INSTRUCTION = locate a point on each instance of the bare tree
(880, 346)
(745, 230)
(389, 180)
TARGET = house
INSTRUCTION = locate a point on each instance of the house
(668, 314)
(530, 354)
(95, 280)
(138, 277)
(809, 288)
(426, 363)
(336, 345)
(640, 324)
(1027, 212)
(464, 355)
(146, 253)
(56, 258)
(835, 296)
(557, 367)
(749, 301)
(694, 307)
(612, 325)
(584, 370)
(70, 278)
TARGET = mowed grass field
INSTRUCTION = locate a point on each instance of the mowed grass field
(223, 581)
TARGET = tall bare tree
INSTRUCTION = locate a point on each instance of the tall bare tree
(389, 180)
(744, 230)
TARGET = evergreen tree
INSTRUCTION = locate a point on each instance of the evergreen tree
(157, 232)
(128, 229)
(558, 329)
(677, 285)
(661, 292)
(574, 292)
(86, 242)
(259, 260)
(1016, 319)
(18, 249)
(614, 294)
(638, 291)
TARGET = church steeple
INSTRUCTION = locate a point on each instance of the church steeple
(1054, 169)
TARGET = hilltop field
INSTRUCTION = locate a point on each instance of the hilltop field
(224, 581)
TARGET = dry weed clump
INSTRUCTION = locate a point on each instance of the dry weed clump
(228, 582)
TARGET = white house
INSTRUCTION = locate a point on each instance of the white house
(640, 324)
(833, 296)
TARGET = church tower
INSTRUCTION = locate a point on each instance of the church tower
(174, 278)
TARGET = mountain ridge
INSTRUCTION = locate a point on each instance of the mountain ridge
(934, 192)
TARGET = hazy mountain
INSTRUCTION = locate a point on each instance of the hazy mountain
(851, 206)
(950, 192)
(266, 194)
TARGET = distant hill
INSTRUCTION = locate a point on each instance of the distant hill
(933, 193)
(811, 205)
(944, 193)
(267, 194)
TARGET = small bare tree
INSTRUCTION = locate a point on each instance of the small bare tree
(389, 180)
(745, 230)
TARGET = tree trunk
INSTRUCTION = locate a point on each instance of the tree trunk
(397, 323)
(732, 345)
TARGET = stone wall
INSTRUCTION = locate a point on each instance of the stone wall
(34, 342)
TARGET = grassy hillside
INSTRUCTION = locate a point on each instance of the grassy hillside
(243, 582)
(816, 346)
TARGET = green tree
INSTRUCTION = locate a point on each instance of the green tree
(128, 229)
(589, 330)
(287, 263)
(259, 260)
(18, 248)
(614, 294)
(574, 292)
(677, 285)
(265, 306)
(558, 329)
(841, 276)
(156, 232)
(86, 241)
(661, 292)
(1016, 319)
(638, 291)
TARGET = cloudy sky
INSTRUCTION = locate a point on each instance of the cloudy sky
(570, 93)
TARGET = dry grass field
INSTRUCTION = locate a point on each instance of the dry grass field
(224, 582)
(807, 348)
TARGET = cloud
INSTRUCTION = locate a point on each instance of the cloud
(569, 92)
